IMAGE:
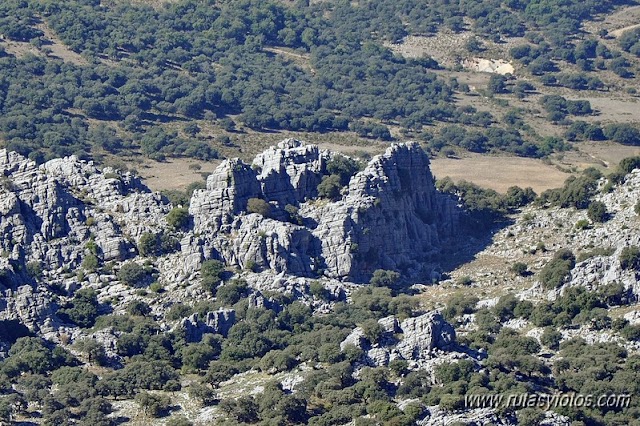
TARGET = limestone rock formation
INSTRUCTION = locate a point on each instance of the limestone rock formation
(48, 212)
(216, 322)
(419, 337)
(390, 217)
(63, 220)
(425, 333)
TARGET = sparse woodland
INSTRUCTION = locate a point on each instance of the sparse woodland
(150, 74)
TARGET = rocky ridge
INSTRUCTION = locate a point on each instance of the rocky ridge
(56, 215)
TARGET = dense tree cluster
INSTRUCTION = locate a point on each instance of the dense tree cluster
(192, 59)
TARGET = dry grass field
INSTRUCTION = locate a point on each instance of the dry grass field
(499, 173)
(174, 173)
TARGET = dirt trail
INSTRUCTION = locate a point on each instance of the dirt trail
(58, 48)
(618, 33)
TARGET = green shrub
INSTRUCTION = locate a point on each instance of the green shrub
(178, 311)
(83, 308)
(556, 271)
(460, 304)
(329, 187)
(138, 308)
(465, 280)
(259, 206)
(582, 224)
(90, 262)
(34, 270)
(229, 294)
(294, 215)
(211, 274)
(551, 338)
(344, 167)
(384, 278)
(153, 405)
(597, 212)
(631, 332)
(148, 244)
(630, 258)
(178, 218)
(520, 268)
(131, 274)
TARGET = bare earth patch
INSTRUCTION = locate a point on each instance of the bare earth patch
(617, 110)
(58, 48)
(173, 173)
(493, 66)
(609, 152)
(499, 173)
(617, 23)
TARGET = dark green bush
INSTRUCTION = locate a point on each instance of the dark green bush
(556, 271)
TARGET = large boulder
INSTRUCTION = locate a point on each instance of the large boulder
(215, 322)
(425, 333)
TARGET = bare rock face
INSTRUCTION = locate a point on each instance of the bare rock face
(29, 307)
(390, 217)
(228, 190)
(216, 322)
(421, 337)
(290, 172)
(49, 212)
(425, 333)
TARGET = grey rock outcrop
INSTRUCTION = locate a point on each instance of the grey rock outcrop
(216, 322)
(290, 172)
(421, 337)
(425, 333)
(390, 217)
(30, 307)
(49, 212)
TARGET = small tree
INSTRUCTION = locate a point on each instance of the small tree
(138, 308)
(260, 206)
(555, 272)
(344, 167)
(597, 211)
(93, 350)
(131, 273)
(329, 187)
(83, 309)
(231, 293)
(630, 258)
(148, 244)
(384, 278)
(520, 268)
(152, 404)
(497, 84)
(178, 218)
(551, 338)
(211, 272)
(294, 215)
(372, 330)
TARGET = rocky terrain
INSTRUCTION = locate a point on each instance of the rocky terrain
(68, 227)
(55, 216)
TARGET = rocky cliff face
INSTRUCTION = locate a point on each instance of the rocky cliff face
(390, 215)
(55, 216)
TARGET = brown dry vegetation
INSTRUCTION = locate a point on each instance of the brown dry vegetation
(499, 173)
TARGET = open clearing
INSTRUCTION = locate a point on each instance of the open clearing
(58, 48)
(499, 173)
(174, 173)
